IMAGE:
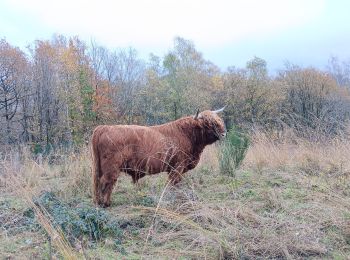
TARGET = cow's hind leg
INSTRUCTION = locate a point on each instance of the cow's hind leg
(110, 167)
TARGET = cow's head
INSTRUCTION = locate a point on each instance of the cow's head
(213, 126)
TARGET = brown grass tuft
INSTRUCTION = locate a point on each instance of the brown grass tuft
(293, 153)
(290, 200)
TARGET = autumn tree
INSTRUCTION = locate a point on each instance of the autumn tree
(13, 65)
(64, 93)
(154, 96)
(78, 89)
(102, 66)
(312, 97)
(253, 97)
(128, 80)
(47, 124)
(188, 78)
(58, 93)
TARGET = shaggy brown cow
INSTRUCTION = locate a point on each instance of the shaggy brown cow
(173, 147)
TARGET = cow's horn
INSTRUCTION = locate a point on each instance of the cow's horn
(219, 110)
(196, 115)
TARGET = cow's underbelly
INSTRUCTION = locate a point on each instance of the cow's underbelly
(139, 162)
(144, 164)
(139, 168)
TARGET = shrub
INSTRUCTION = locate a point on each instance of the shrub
(232, 151)
(83, 221)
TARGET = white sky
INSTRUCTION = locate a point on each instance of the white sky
(216, 27)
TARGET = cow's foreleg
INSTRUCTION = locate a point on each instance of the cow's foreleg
(176, 176)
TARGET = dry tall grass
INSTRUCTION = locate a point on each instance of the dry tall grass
(24, 178)
(291, 199)
(290, 152)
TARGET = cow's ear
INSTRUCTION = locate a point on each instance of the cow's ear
(197, 115)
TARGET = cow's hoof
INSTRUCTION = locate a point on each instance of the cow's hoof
(105, 205)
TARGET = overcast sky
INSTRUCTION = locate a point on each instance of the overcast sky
(227, 32)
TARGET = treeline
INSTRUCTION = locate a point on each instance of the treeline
(59, 89)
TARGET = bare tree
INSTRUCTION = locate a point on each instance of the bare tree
(12, 63)
(340, 70)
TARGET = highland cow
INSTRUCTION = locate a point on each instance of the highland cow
(174, 147)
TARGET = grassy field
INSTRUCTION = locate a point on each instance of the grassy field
(289, 200)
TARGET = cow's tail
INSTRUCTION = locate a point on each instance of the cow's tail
(96, 166)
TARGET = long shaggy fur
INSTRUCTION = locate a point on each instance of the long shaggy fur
(173, 147)
(96, 172)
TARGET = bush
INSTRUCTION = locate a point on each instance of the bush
(232, 151)
(77, 222)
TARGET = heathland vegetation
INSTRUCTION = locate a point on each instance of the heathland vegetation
(277, 187)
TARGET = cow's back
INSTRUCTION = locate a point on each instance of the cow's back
(135, 147)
